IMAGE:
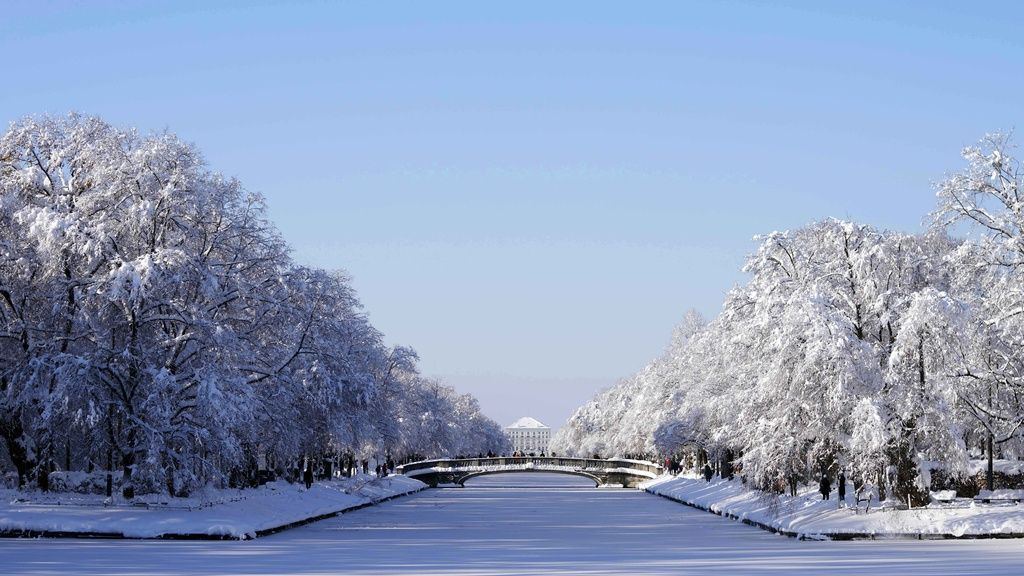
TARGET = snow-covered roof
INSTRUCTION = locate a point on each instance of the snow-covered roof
(527, 422)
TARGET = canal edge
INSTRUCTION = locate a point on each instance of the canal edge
(842, 536)
(18, 533)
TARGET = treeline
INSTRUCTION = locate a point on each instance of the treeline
(877, 353)
(153, 322)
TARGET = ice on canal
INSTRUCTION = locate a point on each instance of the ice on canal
(517, 524)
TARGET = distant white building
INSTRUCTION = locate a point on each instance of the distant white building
(529, 435)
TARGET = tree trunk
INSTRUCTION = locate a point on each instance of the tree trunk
(110, 451)
(989, 474)
(15, 440)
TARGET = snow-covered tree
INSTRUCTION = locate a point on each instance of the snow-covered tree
(984, 201)
(152, 320)
(809, 369)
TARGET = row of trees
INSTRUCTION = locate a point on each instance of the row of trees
(879, 353)
(152, 321)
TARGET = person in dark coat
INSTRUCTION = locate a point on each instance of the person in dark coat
(825, 487)
(841, 488)
(307, 477)
(708, 472)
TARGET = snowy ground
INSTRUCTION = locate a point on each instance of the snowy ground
(228, 513)
(808, 515)
(494, 527)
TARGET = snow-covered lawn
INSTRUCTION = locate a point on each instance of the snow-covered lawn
(807, 515)
(220, 513)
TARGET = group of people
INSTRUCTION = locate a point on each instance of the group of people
(383, 469)
(521, 454)
(824, 483)
(825, 486)
(514, 454)
(480, 455)
(386, 467)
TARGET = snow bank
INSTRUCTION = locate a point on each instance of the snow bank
(217, 514)
(807, 516)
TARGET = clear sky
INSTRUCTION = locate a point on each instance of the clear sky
(533, 195)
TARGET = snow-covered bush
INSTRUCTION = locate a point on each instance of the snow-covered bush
(79, 482)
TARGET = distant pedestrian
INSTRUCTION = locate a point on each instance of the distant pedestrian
(825, 487)
(841, 488)
(307, 476)
(708, 472)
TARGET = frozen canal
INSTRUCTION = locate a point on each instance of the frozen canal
(516, 524)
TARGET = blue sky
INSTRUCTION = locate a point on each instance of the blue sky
(533, 195)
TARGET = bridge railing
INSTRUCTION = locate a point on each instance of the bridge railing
(518, 461)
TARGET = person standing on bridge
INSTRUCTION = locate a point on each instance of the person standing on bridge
(708, 472)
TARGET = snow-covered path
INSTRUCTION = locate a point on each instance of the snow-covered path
(489, 529)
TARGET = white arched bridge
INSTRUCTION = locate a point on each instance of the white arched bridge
(610, 472)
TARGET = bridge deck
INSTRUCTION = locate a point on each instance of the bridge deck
(601, 471)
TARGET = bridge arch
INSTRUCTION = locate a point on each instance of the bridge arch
(462, 481)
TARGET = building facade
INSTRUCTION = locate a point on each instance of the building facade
(529, 436)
